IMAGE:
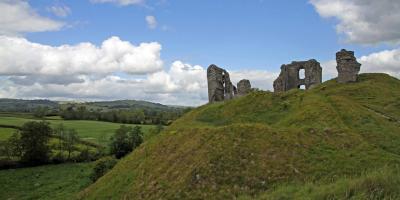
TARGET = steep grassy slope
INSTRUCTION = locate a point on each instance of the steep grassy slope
(260, 144)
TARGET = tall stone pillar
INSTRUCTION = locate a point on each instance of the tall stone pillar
(347, 66)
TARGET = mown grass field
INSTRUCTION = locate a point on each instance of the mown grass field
(93, 131)
(50, 182)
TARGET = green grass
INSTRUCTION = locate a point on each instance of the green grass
(380, 184)
(6, 133)
(252, 145)
(51, 182)
(93, 131)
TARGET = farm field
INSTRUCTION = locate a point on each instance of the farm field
(62, 181)
(93, 131)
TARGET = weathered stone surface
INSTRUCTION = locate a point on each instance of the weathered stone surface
(243, 87)
(220, 87)
(347, 66)
(289, 77)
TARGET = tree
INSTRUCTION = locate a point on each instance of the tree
(136, 137)
(70, 139)
(14, 144)
(40, 112)
(125, 140)
(34, 139)
(60, 132)
(120, 144)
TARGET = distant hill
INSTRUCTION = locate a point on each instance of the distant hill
(20, 105)
(126, 104)
(335, 141)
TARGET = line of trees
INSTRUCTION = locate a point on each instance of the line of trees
(128, 116)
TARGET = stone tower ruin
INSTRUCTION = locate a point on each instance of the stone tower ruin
(347, 66)
(220, 87)
(289, 77)
(243, 87)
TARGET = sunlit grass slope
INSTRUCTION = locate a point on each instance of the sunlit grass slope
(262, 144)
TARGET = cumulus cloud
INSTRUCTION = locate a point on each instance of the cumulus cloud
(363, 21)
(261, 79)
(17, 17)
(60, 11)
(182, 84)
(19, 56)
(151, 22)
(119, 2)
(387, 61)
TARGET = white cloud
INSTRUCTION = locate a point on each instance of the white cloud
(183, 84)
(17, 17)
(363, 21)
(19, 56)
(151, 22)
(120, 2)
(258, 78)
(60, 11)
(387, 61)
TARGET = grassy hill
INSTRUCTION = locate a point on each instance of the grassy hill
(20, 105)
(335, 141)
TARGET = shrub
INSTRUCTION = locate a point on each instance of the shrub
(125, 140)
(102, 166)
(33, 141)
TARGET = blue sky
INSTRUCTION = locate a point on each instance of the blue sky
(236, 34)
(250, 38)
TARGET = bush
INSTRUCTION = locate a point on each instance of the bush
(102, 166)
(34, 142)
(125, 140)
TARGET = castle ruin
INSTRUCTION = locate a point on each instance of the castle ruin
(289, 78)
(220, 87)
(243, 87)
(347, 66)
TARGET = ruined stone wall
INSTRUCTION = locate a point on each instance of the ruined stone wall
(289, 77)
(220, 86)
(215, 80)
(243, 87)
(347, 66)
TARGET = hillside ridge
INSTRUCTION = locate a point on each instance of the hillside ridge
(255, 145)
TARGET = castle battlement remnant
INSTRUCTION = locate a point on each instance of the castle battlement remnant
(243, 87)
(289, 78)
(347, 66)
(220, 87)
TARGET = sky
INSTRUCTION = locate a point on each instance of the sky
(159, 50)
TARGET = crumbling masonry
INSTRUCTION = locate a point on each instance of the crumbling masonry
(347, 66)
(243, 87)
(289, 77)
(220, 87)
